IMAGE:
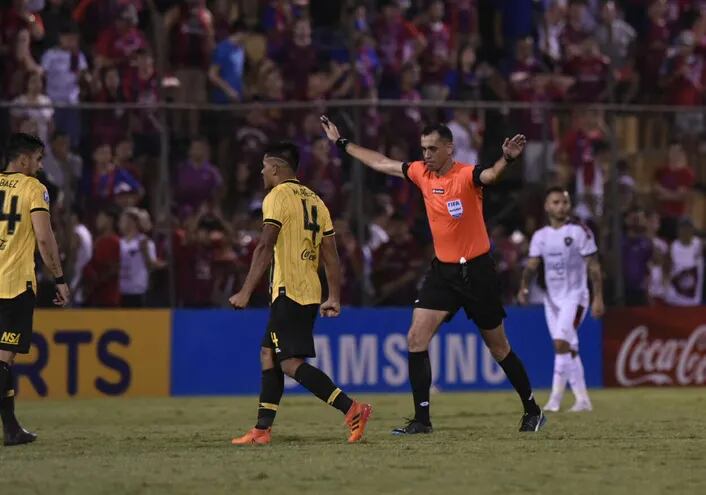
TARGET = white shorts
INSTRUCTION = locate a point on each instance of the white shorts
(564, 319)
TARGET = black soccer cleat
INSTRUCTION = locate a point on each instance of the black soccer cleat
(19, 437)
(413, 427)
(533, 422)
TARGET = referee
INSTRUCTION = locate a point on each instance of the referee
(462, 274)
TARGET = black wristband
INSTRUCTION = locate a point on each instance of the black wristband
(509, 159)
(59, 280)
(341, 143)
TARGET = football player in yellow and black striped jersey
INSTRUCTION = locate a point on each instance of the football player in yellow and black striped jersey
(297, 230)
(24, 224)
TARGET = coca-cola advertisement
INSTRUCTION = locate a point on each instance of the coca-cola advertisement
(655, 347)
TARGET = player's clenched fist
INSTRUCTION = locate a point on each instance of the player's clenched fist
(239, 300)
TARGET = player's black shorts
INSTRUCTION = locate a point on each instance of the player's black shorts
(290, 331)
(16, 322)
(475, 287)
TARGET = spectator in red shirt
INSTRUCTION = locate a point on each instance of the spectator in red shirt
(190, 40)
(654, 48)
(299, 60)
(108, 126)
(673, 184)
(101, 274)
(19, 17)
(142, 86)
(118, 44)
(575, 31)
(436, 56)
(18, 65)
(399, 41)
(591, 72)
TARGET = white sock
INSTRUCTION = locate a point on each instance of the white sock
(577, 380)
(562, 363)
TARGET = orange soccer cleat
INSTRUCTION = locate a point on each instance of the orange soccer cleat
(254, 437)
(356, 419)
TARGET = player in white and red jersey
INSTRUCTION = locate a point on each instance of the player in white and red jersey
(569, 253)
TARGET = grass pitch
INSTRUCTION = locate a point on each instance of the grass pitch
(645, 441)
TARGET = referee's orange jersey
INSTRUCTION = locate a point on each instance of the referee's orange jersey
(454, 204)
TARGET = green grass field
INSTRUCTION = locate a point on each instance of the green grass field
(636, 441)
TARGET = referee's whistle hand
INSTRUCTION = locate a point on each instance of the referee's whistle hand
(63, 295)
(329, 128)
(239, 300)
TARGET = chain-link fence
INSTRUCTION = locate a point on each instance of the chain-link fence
(196, 172)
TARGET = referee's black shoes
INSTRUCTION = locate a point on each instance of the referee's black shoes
(533, 422)
(18, 437)
(412, 427)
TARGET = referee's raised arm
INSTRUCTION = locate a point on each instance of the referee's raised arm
(373, 159)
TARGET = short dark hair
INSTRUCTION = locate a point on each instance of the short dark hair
(113, 212)
(20, 143)
(443, 130)
(286, 151)
(555, 189)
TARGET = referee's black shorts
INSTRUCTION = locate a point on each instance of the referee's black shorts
(475, 287)
(16, 322)
(290, 331)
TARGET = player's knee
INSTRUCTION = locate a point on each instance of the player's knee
(499, 350)
(267, 358)
(417, 341)
(290, 366)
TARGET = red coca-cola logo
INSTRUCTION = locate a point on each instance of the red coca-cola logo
(644, 359)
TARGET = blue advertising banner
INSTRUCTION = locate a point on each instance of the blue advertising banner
(364, 350)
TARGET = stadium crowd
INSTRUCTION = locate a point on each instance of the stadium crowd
(102, 166)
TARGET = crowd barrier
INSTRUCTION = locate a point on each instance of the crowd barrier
(100, 353)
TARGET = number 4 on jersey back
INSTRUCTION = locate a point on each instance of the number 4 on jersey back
(12, 217)
(310, 223)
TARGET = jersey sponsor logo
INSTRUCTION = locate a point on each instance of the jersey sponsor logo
(455, 208)
(308, 255)
(438, 190)
(10, 338)
(568, 241)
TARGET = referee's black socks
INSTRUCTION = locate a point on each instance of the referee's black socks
(319, 384)
(515, 371)
(420, 380)
(271, 392)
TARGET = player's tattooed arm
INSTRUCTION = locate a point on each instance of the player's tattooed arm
(262, 257)
(527, 275)
(595, 274)
(373, 159)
